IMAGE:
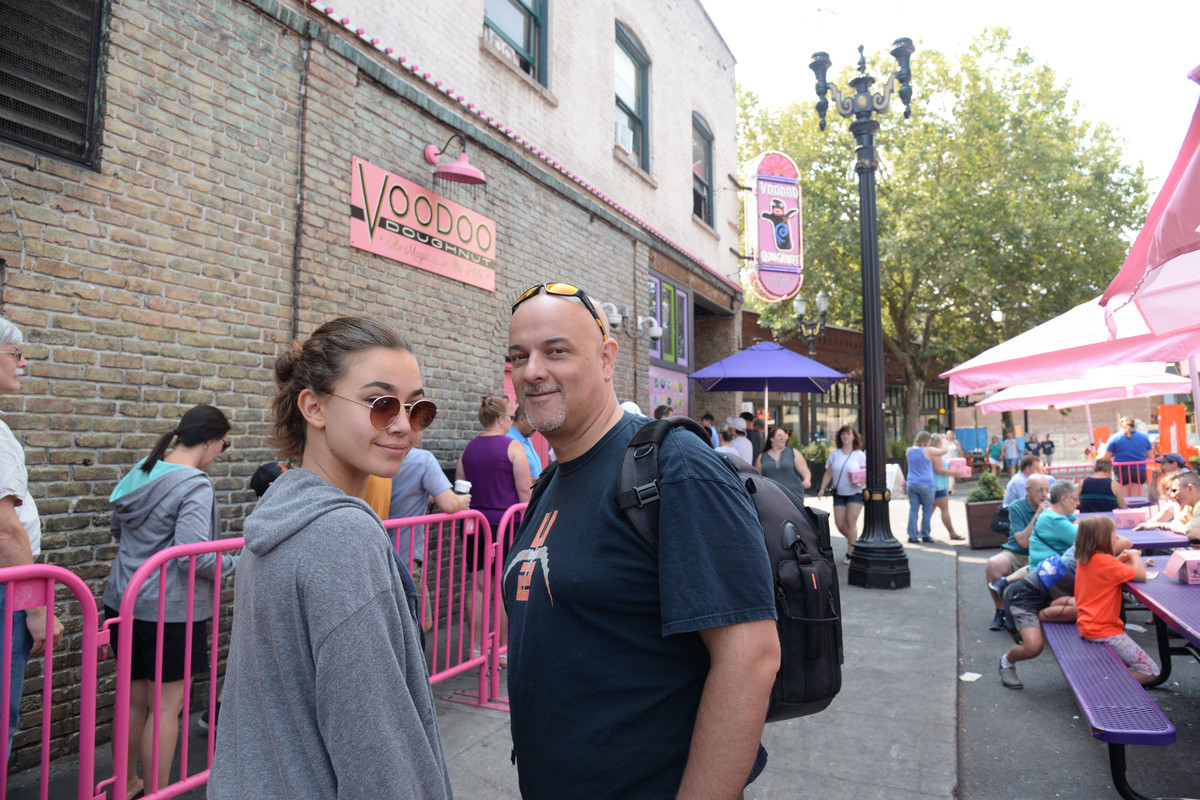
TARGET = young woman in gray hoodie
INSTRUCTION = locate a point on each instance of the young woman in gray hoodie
(326, 691)
(166, 499)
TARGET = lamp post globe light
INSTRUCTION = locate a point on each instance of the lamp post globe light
(878, 560)
(810, 328)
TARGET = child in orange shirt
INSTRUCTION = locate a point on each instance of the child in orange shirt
(1098, 578)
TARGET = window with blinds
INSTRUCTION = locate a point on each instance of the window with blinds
(49, 68)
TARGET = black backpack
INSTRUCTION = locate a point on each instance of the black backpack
(807, 599)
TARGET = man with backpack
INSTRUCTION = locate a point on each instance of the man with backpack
(634, 670)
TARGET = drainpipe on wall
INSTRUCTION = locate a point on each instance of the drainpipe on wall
(306, 50)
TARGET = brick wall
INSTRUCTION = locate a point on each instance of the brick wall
(216, 227)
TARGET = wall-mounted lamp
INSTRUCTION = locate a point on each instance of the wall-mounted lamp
(459, 170)
(618, 320)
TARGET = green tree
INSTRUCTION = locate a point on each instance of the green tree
(999, 207)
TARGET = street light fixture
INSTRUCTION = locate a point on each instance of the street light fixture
(810, 328)
(878, 560)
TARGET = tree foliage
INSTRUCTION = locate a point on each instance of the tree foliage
(998, 205)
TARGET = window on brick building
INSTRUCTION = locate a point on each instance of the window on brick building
(702, 148)
(671, 306)
(49, 76)
(631, 68)
(521, 25)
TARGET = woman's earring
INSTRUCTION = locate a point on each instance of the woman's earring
(206, 445)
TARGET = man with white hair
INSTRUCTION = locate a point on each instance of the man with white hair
(1014, 554)
(20, 531)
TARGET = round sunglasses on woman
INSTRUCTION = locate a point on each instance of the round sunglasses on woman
(386, 410)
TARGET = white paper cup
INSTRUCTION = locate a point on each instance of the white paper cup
(462, 487)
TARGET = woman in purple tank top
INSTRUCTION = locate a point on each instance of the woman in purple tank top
(499, 474)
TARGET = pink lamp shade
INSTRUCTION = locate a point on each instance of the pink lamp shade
(460, 170)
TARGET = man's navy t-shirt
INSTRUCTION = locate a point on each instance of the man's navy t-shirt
(605, 665)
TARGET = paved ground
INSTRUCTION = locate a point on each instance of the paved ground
(904, 725)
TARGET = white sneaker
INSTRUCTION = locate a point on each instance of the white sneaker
(1008, 676)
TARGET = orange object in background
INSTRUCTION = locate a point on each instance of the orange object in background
(1172, 431)
(1099, 439)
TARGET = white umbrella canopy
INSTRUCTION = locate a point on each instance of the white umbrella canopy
(1102, 384)
(1068, 344)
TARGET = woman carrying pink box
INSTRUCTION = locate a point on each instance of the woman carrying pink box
(846, 475)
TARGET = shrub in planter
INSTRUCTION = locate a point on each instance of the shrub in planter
(988, 489)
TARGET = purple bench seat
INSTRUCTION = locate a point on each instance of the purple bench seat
(1117, 708)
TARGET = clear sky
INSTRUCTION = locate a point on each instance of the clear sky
(1126, 63)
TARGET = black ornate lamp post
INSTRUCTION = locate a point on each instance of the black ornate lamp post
(878, 560)
(810, 328)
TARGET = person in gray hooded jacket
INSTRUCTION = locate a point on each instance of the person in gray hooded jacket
(166, 499)
(326, 691)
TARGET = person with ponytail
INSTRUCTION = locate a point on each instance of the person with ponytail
(167, 499)
(326, 690)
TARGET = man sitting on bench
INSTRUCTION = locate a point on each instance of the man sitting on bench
(1045, 595)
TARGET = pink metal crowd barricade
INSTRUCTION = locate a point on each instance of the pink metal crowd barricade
(34, 586)
(463, 608)
(159, 563)
(506, 533)
(461, 631)
(1075, 473)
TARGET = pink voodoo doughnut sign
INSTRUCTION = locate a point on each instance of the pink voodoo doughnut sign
(774, 235)
(399, 220)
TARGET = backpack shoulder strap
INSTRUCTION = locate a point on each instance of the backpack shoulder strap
(539, 486)
(638, 487)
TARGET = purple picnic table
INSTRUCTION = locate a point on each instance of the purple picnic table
(1176, 606)
(1151, 539)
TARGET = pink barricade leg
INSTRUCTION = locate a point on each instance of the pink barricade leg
(457, 597)
(163, 705)
(34, 586)
(504, 539)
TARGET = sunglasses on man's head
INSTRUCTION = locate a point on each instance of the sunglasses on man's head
(562, 290)
(386, 409)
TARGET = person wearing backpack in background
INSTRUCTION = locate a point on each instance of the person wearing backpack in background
(678, 648)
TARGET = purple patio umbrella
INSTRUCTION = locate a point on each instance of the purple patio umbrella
(763, 367)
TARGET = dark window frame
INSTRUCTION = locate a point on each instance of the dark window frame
(628, 42)
(702, 185)
(537, 60)
(24, 108)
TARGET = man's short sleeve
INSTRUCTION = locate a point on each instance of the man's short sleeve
(713, 565)
(1193, 526)
(1019, 515)
(13, 477)
(432, 478)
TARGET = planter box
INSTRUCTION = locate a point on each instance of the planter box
(979, 525)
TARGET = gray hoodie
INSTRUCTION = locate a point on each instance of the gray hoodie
(326, 693)
(178, 507)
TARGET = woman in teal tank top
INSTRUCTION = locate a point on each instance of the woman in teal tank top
(782, 464)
